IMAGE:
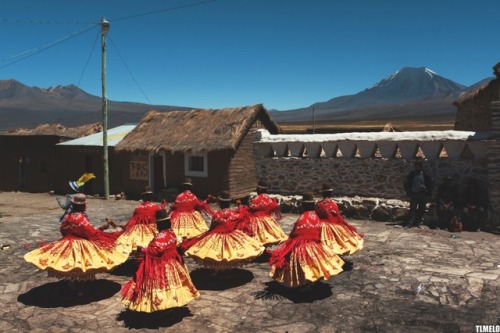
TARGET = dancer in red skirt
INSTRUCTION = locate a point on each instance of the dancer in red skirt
(264, 212)
(336, 232)
(141, 227)
(304, 259)
(82, 252)
(162, 280)
(226, 244)
(187, 219)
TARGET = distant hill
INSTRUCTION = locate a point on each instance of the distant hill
(408, 93)
(27, 107)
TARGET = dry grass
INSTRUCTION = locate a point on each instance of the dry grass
(369, 126)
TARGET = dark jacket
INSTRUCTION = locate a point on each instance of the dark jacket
(429, 183)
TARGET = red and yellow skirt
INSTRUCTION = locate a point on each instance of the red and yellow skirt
(176, 289)
(76, 259)
(225, 250)
(340, 238)
(305, 262)
(138, 235)
(267, 230)
(188, 224)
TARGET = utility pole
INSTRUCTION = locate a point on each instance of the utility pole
(104, 30)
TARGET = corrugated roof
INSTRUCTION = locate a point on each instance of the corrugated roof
(115, 135)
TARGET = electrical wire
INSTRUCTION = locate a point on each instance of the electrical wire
(41, 48)
(129, 71)
(43, 22)
(81, 76)
(163, 10)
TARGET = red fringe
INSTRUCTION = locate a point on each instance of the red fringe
(151, 274)
(338, 219)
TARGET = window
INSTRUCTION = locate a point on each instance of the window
(195, 165)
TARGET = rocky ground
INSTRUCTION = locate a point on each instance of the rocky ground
(416, 280)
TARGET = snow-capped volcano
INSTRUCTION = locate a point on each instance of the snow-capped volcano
(410, 84)
(417, 91)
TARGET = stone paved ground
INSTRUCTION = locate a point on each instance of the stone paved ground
(416, 280)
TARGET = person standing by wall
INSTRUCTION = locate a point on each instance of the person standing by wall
(418, 187)
(475, 206)
(446, 203)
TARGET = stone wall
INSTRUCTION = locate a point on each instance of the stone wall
(369, 169)
(382, 178)
(366, 164)
(493, 162)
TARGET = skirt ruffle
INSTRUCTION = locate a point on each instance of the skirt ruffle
(267, 231)
(341, 239)
(225, 250)
(307, 262)
(178, 291)
(76, 259)
(188, 224)
(138, 235)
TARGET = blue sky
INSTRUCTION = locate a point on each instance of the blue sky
(284, 54)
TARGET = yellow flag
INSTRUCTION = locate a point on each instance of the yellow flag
(84, 178)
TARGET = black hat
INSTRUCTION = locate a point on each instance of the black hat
(326, 188)
(262, 185)
(162, 215)
(147, 190)
(224, 196)
(308, 197)
(187, 181)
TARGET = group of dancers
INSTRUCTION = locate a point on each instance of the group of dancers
(160, 236)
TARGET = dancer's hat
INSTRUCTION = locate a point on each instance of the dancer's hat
(79, 199)
(224, 196)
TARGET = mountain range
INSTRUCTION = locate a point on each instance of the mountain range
(409, 93)
(22, 106)
(414, 93)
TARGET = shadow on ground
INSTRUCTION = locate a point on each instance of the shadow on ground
(306, 294)
(128, 268)
(59, 294)
(207, 279)
(263, 258)
(154, 320)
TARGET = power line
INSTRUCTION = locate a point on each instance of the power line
(30, 53)
(42, 22)
(4, 20)
(81, 75)
(129, 72)
(163, 10)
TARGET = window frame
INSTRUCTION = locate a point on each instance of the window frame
(194, 173)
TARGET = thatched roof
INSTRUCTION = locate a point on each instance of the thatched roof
(59, 130)
(195, 130)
